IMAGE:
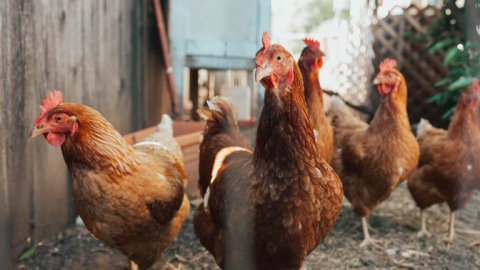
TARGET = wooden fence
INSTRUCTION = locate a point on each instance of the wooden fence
(420, 69)
(91, 50)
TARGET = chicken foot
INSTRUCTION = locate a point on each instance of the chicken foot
(451, 235)
(132, 265)
(369, 227)
(367, 239)
(423, 231)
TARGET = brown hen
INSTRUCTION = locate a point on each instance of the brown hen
(372, 160)
(449, 166)
(268, 209)
(131, 198)
(221, 130)
(310, 62)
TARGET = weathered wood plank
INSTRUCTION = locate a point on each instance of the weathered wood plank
(136, 67)
(19, 110)
(84, 49)
(157, 100)
(5, 262)
(50, 186)
(194, 94)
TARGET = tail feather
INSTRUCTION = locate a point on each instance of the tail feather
(220, 131)
(338, 112)
(166, 125)
(422, 126)
(221, 111)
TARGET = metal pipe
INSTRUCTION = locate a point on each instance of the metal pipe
(166, 58)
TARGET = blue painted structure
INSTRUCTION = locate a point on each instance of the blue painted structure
(216, 34)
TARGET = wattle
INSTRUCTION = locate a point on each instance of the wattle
(270, 82)
(471, 104)
(384, 88)
(55, 138)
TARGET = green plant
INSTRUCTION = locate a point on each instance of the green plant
(319, 11)
(460, 55)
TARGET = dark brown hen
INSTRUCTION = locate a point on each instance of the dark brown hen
(220, 131)
(268, 209)
(310, 62)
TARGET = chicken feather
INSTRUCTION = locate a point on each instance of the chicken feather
(267, 208)
(131, 198)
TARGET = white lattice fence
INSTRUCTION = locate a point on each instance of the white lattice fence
(355, 68)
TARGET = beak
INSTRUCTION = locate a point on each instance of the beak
(377, 81)
(37, 131)
(261, 73)
(320, 54)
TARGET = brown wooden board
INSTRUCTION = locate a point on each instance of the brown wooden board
(5, 262)
(50, 197)
(157, 98)
(19, 112)
(85, 49)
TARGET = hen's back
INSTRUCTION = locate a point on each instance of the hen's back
(162, 140)
(344, 123)
(220, 131)
(434, 146)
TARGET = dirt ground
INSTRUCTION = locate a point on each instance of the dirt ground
(395, 220)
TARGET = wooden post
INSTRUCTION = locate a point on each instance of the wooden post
(253, 92)
(194, 93)
(5, 262)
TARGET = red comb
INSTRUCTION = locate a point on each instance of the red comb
(266, 40)
(388, 64)
(312, 43)
(475, 85)
(51, 101)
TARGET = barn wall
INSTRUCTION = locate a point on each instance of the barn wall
(157, 102)
(90, 50)
(4, 228)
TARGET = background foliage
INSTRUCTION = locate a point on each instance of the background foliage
(462, 56)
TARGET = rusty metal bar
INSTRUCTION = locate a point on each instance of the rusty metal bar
(166, 58)
(360, 108)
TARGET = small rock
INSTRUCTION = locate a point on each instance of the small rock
(392, 251)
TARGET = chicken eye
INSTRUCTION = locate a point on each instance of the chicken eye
(58, 118)
(279, 58)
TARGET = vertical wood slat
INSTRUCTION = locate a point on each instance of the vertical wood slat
(5, 262)
(50, 186)
(136, 63)
(157, 100)
(87, 50)
(19, 109)
(194, 94)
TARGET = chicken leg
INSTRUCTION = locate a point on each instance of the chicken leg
(132, 265)
(451, 235)
(367, 239)
(423, 231)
